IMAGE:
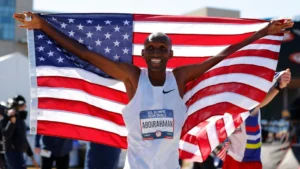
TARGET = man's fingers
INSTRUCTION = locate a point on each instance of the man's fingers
(286, 77)
(18, 15)
(287, 20)
(284, 31)
(20, 19)
(30, 14)
(22, 26)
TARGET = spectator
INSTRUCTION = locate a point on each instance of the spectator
(3, 110)
(14, 134)
(101, 156)
(53, 149)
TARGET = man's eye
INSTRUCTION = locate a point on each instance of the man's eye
(163, 49)
(150, 48)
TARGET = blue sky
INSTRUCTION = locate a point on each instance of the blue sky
(248, 8)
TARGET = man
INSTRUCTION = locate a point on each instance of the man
(154, 93)
(14, 132)
(101, 156)
(244, 150)
(3, 111)
(53, 149)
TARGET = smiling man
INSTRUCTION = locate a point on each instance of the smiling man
(155, 94)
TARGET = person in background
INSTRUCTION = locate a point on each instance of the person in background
(244, 150)
(3, 110)
(284, 126)
(101, 156)
(53, 149)
(14, 134)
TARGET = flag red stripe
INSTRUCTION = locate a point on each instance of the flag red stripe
(203, 141)
(194, 39)
(93, 89)
(185, 154)
(204, 40)
(237, 120)
(207, 112)
(80, 107)
(189, 156)
(221, 130)
(172, 18)
(242, 89)
(252, 52)
(81, 133)
(267, 41)
(240, 68)
(190, 139)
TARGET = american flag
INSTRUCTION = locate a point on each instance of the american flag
(223, 152)
(74, 99)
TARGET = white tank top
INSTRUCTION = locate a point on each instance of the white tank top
(154, 118)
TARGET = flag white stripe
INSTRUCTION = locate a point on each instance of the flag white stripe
(188, 147)
(81, 74)
(251, 80)
(195, 28)
(270, 47)
(244, 116)
(78, 95)
(212, 134)
(229, 124)
(235, 99)
(273, 37)
(202, 51)
(248, 60)
(194, 131)
(81, 120)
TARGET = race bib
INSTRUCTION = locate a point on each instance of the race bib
(157, 124)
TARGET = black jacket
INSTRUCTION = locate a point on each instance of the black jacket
(14, 135)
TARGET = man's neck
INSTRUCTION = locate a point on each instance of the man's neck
(157, 78)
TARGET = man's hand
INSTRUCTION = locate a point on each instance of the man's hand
(37, 150)
(285, 79)
(36, 22)
(278, 26)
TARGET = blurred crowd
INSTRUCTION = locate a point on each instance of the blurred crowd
(286, 129)
(13, 134)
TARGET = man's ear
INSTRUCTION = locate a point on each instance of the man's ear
(143, 52)
(171, 54)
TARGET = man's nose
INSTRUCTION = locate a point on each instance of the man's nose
(157, 51)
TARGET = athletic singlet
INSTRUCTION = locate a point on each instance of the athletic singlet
(154, 118)
(245, 143)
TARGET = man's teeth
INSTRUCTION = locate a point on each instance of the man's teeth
(156, 60)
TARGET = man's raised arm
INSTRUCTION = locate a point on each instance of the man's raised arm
(188, 73)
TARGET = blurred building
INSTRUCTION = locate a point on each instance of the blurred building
(215, 12)
(12, 39)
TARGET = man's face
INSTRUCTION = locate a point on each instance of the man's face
(22, 107)
(157, 51)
